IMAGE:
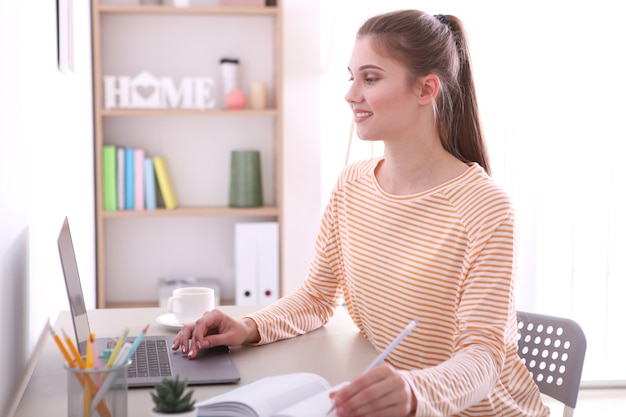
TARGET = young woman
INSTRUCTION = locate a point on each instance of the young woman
(421, 232)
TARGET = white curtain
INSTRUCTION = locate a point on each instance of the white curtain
(550, 80)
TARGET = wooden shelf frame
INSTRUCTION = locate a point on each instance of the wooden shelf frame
(186, 112)
(267, 211)
(192, 10)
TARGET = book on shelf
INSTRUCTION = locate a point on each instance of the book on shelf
(300, 394)
(109, 186)
(159, 195)
(121, 188)
(149, 184)
(129, 179)
(165, 182)
(139, 155)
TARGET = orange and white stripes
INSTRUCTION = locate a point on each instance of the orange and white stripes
(446, 256)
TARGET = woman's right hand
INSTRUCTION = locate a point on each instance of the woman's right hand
(215, 328)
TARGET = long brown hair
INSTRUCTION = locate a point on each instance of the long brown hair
(427, 44)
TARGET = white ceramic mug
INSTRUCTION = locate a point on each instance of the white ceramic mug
(190, 303)
(179, 3)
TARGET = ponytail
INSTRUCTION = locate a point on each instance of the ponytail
(469, 143)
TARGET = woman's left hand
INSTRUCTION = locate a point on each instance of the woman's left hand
(382, 391)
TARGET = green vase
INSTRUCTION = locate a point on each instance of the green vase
(245, 179)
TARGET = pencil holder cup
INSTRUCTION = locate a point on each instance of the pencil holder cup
(245, 179)
(97, 392)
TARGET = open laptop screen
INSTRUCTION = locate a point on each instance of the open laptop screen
(74, 288)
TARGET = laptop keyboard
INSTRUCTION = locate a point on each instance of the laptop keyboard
(151, 359)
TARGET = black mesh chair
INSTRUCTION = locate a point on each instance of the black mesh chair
(553, 350)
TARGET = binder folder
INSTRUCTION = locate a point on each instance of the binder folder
(256, 263)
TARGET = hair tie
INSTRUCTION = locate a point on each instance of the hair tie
(442, 19)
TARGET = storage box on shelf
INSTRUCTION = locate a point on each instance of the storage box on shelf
(176, 51)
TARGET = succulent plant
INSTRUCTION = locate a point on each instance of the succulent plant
(170, 396)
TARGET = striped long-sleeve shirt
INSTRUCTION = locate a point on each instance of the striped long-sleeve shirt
(446, 256)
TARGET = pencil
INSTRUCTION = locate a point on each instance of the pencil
(86, 399)
(89, 355)
(136, 343)
(95, 361)
(87, 387)
(62, 348)
(116, 349)
(89, 364)
(72, 346)
(383, 355)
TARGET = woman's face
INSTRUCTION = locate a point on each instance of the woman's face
(384, 105)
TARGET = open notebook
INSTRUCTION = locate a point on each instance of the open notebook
(298, 394)
(154, 358)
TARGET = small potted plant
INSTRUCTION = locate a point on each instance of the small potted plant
(170, 399)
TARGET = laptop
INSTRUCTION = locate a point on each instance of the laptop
(154, 358)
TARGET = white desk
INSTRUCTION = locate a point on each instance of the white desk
(337, 352)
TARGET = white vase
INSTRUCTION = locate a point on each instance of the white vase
(191, 413)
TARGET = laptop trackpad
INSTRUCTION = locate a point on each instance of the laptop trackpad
(211, 366)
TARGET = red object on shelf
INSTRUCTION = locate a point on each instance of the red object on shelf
(236, 100)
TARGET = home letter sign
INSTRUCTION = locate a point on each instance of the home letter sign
(145, 91)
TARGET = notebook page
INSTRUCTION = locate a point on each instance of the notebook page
(315, 406)
(265, 397)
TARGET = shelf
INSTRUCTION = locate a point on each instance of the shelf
(186, 112)
(216, 10)
(133, 304)
(135, 246)
(270, 211)
(148, 304)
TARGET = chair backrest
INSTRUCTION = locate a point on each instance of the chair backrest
(553, 349)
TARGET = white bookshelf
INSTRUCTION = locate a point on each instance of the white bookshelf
(137, 248)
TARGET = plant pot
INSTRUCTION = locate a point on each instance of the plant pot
(191, 413)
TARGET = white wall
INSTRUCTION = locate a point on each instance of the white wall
(301, 137)
(46, 173)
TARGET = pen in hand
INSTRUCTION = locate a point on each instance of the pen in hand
(383, 355)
